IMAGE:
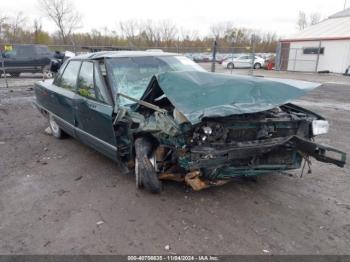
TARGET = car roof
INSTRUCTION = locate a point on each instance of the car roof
(113, 54)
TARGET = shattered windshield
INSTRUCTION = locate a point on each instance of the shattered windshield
(131, 75)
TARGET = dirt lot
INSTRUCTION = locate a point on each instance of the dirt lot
(61, 197)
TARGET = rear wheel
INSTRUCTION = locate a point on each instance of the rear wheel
(230, 66)
(257, 66)
(15, 74)
(145, 166)
(56, 130)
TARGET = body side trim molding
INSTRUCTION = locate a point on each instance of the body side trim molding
(77, 129)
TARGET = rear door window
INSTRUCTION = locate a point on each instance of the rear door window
(86, 80)
(68, 79)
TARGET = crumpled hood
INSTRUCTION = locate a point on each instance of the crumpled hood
(203, 94)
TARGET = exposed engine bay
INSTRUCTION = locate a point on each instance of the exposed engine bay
(220, 148)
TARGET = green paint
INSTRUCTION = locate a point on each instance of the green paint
(202, 94)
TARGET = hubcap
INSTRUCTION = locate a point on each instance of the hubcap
(47, 73)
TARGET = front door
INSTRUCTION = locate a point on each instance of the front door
(242, 61)
(247, 61)
(94, 124)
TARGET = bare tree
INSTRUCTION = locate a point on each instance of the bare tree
(3, 19)
(314, 18)
(220, 30)
(63, 14)
(37, 25)
(149, 33)
(15, 24)
(167, 30)
(129, 29)
(240, 35)
(188, 35)
(302, 21)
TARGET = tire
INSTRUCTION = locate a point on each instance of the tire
(15, 74)
(46, 72)
(257, 66)
(145, 172)
(55, 129)
(230, 66)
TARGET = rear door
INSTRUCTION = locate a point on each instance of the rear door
(248, 61)
(93, 111)
(60, 97)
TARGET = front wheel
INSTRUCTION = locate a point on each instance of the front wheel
(145, 166)
(46, 72)
(230, 66)
(55, 129)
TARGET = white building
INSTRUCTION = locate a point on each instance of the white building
(321, 47)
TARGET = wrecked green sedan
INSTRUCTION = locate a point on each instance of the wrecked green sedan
(166, 118)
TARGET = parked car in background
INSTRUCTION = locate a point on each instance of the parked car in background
(243, 61)
(164, 117)
(347, 71)
(230, 57)
(202, 57)
(23, 58)
(220, 57)
(154, 50)
(270, 62)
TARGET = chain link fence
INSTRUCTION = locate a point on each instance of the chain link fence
(199, 54)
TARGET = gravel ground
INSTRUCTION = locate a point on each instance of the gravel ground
(61, 197)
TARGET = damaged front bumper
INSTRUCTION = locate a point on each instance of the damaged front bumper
(257, 157)
(209, 166)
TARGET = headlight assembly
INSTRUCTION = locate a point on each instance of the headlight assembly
(320, 127)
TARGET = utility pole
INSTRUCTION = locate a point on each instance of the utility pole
(232, 54)
(344, 4)
(318, 56)
(214, 55)
(253, 54)
(178, 44)
(3, 69)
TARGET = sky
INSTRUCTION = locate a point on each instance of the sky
(277, 16)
